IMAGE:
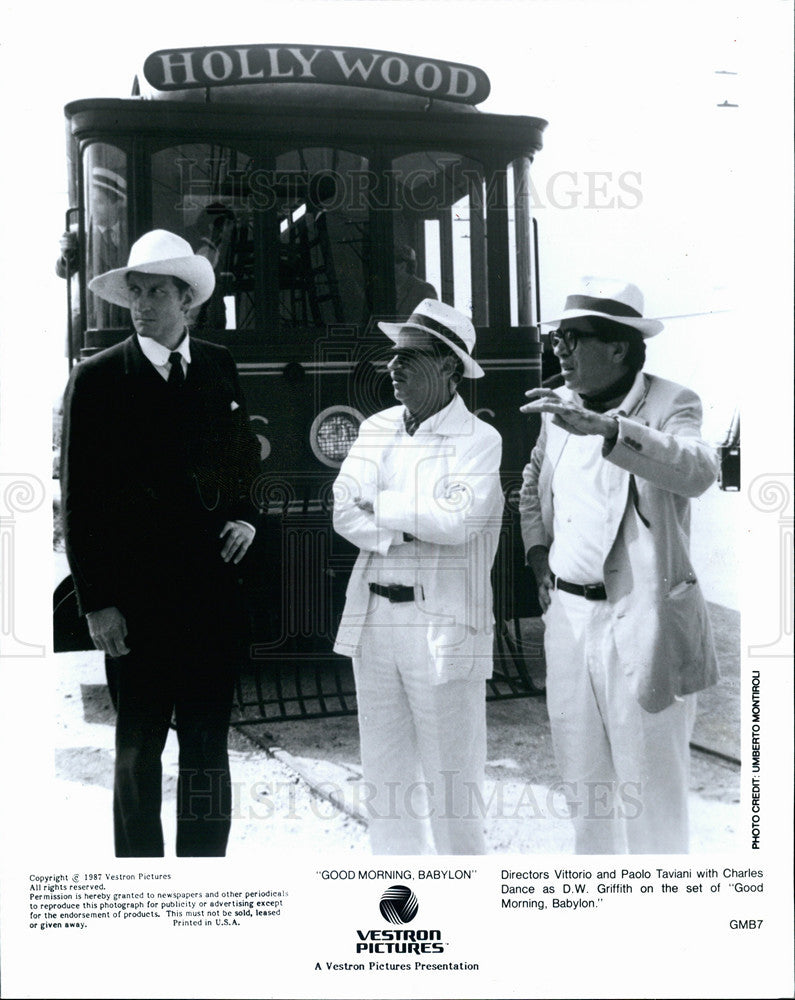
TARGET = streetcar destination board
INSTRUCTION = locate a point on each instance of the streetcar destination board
(230, 65)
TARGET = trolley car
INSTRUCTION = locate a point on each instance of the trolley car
(327, 186)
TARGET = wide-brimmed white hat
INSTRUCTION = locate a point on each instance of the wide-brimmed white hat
(607, 298)
(446, 324)
(158, 252)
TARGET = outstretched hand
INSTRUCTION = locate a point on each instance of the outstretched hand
(570, 416)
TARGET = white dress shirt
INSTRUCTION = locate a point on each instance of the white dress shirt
(159, 355)
(581, 488)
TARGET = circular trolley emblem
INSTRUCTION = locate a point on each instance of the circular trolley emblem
(399, 905)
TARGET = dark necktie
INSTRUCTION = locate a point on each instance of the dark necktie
(410, 423)
(176, 376)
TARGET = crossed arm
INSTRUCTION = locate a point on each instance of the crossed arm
(438, 508)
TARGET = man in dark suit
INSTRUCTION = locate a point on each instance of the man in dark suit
(158, 468)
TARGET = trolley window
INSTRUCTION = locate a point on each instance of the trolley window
(105, 221)
(439, 221)
(198, 192)
(323, 239)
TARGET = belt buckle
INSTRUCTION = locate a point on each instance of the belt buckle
(592, 591)
(393, 591)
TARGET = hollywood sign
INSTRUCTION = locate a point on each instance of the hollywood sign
(180, 69)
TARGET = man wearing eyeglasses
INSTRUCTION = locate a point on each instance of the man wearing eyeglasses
(605, 511)
(419, 494)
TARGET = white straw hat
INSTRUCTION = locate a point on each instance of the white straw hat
(158, 252)
(446, 324)
(607, 298)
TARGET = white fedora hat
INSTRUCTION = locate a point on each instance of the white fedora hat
(446, 324)
(607, 298)
(158, 252)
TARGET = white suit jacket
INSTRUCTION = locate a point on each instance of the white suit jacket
(658, 462)
(453, 508)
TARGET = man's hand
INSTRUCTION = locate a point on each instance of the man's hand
(538, 559)
(108, 629)
(239, 537)
(570, 416)
(68, 247)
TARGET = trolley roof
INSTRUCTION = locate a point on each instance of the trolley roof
(294, 123)
(285, 92)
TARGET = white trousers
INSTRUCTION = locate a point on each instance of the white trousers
(625, 771)
(423, 745)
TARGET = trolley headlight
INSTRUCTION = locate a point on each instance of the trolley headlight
(333, 432)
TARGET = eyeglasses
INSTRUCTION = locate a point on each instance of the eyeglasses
(566, 338)
(569, 339)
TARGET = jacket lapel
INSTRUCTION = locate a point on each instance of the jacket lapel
(618, 478)
(202, 369)
(135, 362)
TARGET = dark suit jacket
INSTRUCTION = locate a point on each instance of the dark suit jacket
(149, 478)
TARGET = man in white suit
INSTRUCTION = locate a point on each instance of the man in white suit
(605, 509)
(419, 494)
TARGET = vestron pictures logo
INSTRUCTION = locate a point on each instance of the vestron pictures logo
(399, 905)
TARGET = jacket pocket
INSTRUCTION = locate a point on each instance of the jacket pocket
(684, 627)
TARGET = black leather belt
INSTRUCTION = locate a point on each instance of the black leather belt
(590, 591)
(396, 592)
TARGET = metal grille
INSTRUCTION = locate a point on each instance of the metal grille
(325, 688)
(278, 693)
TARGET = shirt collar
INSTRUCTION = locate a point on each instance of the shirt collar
(432, 424)
(158, 354)
(633, 398)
